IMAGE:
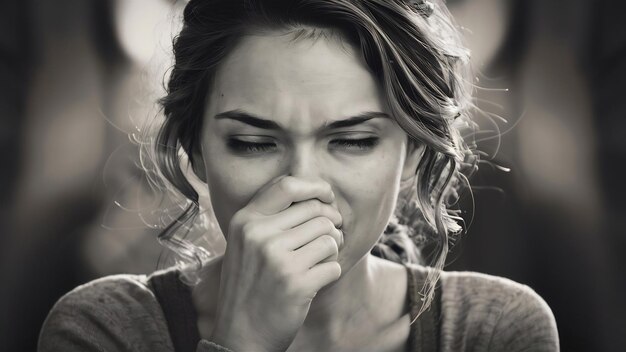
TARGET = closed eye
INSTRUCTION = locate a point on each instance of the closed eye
(237, 145)
(360, 144)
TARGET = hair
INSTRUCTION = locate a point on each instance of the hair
(418, 60)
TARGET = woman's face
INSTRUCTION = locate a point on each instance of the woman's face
(300, 89)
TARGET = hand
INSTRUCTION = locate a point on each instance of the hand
(282, 249)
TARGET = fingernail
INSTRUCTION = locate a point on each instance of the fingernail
(343, 240)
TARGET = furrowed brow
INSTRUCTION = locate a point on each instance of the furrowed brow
(247, 118)
(252, 120)
(355, 120)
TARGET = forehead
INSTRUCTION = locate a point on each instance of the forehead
(297, 83)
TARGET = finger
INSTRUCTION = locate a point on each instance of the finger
(303, 234)
(323, 248)
(321, 275)
(301, 212)
(280, 194)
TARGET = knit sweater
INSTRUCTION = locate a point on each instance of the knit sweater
(478, 312)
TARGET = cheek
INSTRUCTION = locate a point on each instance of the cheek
(371, 195)
(232, 182)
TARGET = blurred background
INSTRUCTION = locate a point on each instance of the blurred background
(77, 77)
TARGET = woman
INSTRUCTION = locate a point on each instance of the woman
(328, 134)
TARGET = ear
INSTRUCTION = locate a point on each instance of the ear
(414, 153)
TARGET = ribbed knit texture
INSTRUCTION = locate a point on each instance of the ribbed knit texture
(478, 313)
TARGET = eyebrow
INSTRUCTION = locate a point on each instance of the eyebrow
(252, 120)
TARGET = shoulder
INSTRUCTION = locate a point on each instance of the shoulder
(118, 312)
(483, 312)
(479, 287)
(495, 312)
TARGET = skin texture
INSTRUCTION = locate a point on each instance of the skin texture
(301, 86)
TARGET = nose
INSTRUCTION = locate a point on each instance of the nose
(303, 162)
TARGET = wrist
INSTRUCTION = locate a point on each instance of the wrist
(241, 342)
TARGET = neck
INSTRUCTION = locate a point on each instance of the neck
(348, 303)
(355, 299)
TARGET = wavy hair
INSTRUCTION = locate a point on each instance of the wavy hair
(418, 60)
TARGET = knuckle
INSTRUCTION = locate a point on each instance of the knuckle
(249, 233)
(329, 243)
(271, 251)
(328, 188)
(287, 184)
(335, 269)
(247, 229)
(238, 219)
(326, 224)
